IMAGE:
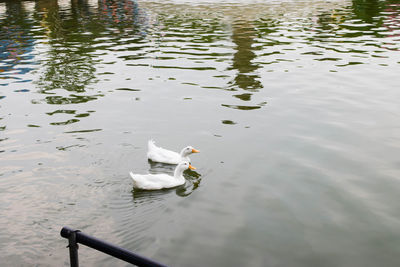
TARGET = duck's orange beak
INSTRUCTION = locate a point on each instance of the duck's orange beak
(195, 151)
(191, 167)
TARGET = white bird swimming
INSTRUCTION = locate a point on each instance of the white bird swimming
(161, 180)
(159, 154)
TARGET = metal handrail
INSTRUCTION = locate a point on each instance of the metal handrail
(75, 236)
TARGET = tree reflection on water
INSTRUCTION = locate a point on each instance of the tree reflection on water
(16, 42)
(243, 35)
(69, 64)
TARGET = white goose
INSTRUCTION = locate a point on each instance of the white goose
(159, 154)
(161, 180)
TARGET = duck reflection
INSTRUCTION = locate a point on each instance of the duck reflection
(193, 180)
(143, 196)
(158, 167)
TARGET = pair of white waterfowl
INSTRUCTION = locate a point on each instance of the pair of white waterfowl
(162, 180)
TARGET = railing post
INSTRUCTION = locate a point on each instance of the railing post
(75, 236)
(73, 249)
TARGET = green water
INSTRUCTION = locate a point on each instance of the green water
(294, 106)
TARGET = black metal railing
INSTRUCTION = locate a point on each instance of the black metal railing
(75, 236)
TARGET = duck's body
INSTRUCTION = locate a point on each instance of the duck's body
(162, 180)
(159, 154)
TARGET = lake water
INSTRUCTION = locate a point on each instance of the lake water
(294, 106)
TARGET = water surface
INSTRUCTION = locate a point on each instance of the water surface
(293, 104)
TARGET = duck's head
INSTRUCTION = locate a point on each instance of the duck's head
(188, 150)
(184, 165)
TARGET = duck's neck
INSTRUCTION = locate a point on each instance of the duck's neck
(178, 173)
(184, 154)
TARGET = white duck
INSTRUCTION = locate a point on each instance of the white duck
(159, 154)
(161, 180)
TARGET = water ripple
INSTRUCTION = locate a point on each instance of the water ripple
(301, 96)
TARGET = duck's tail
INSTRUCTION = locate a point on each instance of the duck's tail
(133, 179)
(151, 149)
(151, 144)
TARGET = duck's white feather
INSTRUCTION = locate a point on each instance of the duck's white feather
(155, 181)
(159, 154)
(162, 180)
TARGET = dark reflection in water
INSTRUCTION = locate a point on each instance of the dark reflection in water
(193, 180)
(229, 122)
(368, 10)
(74, 38)
(69, 64)
(244, 97)
(243, 35)
(122, 18)
(16, 42)
(244, 107)
(342, 27)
